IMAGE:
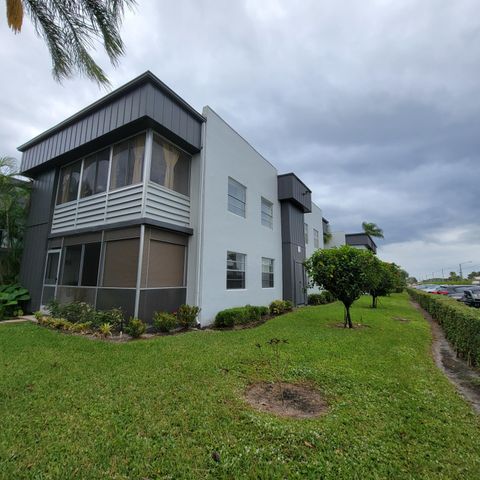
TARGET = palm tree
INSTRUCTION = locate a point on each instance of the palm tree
(70, 28)
(14, 195)
(372, 229)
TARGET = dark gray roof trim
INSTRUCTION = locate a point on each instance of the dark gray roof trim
(293, 174)
(145, 77)
(145, 101)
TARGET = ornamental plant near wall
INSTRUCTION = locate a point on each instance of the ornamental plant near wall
(460, 323)
(187, 315)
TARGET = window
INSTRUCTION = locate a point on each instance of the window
(237, 197)
(127, 162)
(71, 265)
(305, 232)
(267, 272)
(267, 213)
(81, 260)
(121, 262)
(95, 173)
(316, 239)
(51, 271)
(91, 260)
(170, 166)
(235, 270)
(68, 184)
(166, 265)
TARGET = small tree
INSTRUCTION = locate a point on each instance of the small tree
(382, 279)
(14, 195)
(343, 271)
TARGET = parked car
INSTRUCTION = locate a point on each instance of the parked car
(472, 299)
(426, 288)
(457, 292)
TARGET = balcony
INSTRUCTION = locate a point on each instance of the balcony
(361, 240)
(84, 201)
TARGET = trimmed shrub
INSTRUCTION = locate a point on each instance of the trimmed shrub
(38, 315)
(81, 327)
(164, 322)
(277, 307)
(240, 315)
(187, 315)
(135, 327)
(288, 305)
(460, 323)
(321, 298)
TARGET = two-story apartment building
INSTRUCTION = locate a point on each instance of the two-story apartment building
(141, 202)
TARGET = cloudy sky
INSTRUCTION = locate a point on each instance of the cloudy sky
(375, 105)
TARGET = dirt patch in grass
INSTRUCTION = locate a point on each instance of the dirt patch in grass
(465, 378)
(286, 399)
(401, 319)
(356, 326)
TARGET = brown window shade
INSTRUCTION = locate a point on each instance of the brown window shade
(121, 260)
(166, 265)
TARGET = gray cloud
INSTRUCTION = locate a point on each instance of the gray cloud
(375, 105)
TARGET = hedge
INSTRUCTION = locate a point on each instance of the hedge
(239, 315)
(460, 323)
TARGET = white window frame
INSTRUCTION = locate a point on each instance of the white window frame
(316, 238)
(229, 195)
(270, 265)
(269, 222)
(244, 271)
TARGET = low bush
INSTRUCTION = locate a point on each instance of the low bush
(164, 322)
(277, 307)
(240, 315)
(460, 323)
(81, 327)
(81, 312)
(187, 315)
(105, 330)
(11, 298)
(321, 298)
(113, 317)
(135, 327)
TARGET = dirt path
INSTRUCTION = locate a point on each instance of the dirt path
(466, 379)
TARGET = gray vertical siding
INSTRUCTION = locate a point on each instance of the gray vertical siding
(291, 188)
(295, 198)
(36, 236)
(144, 97)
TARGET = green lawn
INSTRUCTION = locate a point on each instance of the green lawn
(75, 408)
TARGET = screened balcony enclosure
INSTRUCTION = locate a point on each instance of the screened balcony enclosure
(138, 269)
(141, 176)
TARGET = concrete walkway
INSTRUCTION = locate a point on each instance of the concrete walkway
(25, 318)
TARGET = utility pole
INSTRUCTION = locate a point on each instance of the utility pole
(460, 267)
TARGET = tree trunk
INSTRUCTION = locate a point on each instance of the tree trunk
(347, 320)
(374, 301)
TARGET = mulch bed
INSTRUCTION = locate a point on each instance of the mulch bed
(286, 399)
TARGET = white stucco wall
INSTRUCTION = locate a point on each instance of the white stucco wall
(227, 154)
(314, 221)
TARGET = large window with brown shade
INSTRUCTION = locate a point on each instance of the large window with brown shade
(170, 166)
(68, 183)
(121, 263)
(127, 162)
(166, 265)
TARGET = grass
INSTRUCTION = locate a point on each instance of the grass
(75, 408)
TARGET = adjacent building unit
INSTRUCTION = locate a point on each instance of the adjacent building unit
(141, 202)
